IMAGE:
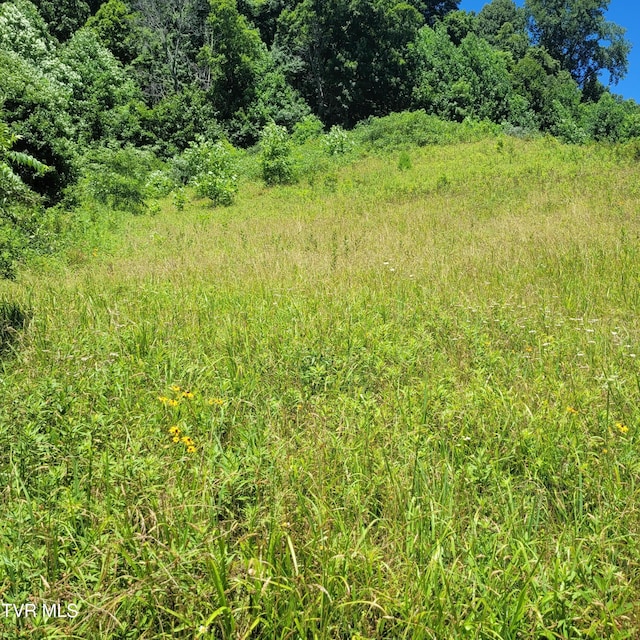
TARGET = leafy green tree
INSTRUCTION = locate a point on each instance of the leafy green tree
(349, 59)
(606, 119)
(264, 14)
(178, 119)
(458, 25)
(101, 90)
(434, 10)
(117, 27)
(275, 100)
(35, 85)
(544, 92)
(18, 204)
(503, 24)
(173, 33)
(64, 17)
(471, 80)
(231, 57)
(575, 33)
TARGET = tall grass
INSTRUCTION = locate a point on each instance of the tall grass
(411, 397)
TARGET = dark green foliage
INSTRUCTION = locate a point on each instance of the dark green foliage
(178, 119)
(434, 10)
(117, 177)
(541, 86)
(64, 17)
(274, 100)
(172, 33)
(575, 33)
(117, 27)
(36, 97)
(102, 93)
(20, 208)
(503, 24)
(351, 57)
(231, 56)
(13, 319)
(471, 80)
(605, 119)
(458, 25)
(264, 14)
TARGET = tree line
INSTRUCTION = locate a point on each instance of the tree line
(78, 76)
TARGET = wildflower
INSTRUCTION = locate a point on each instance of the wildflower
(528, 349)
(172, 403)
(187, 394)
(217, 401)
(174, 431)
(572, 410)
(176, 439)
(163, 399)
(175, 387)
(187, 441)
(191, 449)
(622, 428)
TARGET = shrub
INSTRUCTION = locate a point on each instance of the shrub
(118, 177)
(210, 168)
(159, 184)
(276, 161)
(409, 128)
(337, 141)
(309, 127)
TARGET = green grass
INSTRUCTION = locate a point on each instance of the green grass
(415, 409)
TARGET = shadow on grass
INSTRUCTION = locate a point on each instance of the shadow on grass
(13, 319)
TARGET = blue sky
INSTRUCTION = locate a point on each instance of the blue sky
(626, 13)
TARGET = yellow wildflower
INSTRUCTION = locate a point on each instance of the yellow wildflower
(216, 401)
(622, 428)
(172, 403)
(187, 441)
(174, 431)
(572, 410)
(191, 449)
(187, 394)
(175, 387)
(163, 399)
(176, 438)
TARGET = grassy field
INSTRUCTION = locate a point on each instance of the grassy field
(397, 400)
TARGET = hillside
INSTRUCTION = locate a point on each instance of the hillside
(398, 399)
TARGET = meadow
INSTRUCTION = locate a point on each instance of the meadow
(398, 399)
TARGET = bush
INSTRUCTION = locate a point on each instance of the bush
(308, 128)
(409, 128)
(276, 161)
(337, 141)
(210, 168)
(117, 178)
(159, 184)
